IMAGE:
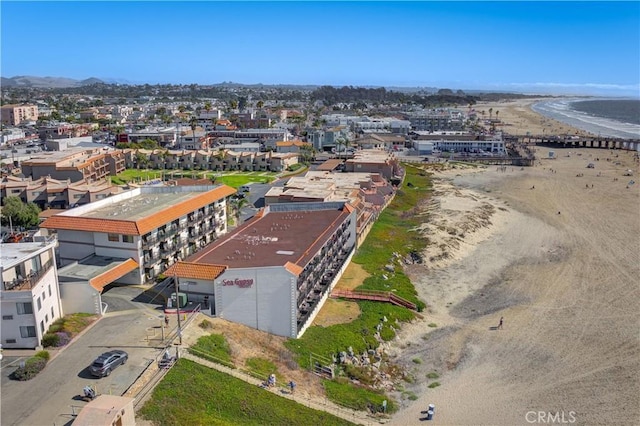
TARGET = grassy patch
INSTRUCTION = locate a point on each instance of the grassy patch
(233, 179)
(392, 233)
(262, 368)
(417, 361)
(360, 398)
(432, 325)
(214, 348)
(433, 375)
(66, 328)
(208, 397)
(236, 180)
(434, 385)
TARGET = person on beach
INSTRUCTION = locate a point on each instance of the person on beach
(500, 323)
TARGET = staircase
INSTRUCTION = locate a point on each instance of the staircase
(375, 295)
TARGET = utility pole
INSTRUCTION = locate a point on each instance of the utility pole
(175, 281)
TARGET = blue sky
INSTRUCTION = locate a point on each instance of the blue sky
(564, 47)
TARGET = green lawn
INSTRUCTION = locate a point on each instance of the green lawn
(192, 394)
(232, 179)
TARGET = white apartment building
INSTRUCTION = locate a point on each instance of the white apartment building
(30, 296)
(148, 228)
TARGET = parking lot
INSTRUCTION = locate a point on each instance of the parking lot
(52, 397)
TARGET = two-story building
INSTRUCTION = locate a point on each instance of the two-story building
(29, 296)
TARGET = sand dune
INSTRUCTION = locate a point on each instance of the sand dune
(561, 264)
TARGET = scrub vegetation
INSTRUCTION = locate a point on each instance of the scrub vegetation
(208, 397)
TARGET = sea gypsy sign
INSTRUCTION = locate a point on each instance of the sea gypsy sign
(238, 282)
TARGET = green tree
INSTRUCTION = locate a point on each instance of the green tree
(307, 152)
(260, 104)
(21, 214)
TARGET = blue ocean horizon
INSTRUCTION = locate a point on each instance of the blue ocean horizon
(618, 118)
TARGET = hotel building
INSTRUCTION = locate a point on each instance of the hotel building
(276, 270)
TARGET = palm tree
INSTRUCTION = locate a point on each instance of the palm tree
(193, 123)
(207, 106)
(236, 206)
(497, 112)
(490, 113)
(339, 142)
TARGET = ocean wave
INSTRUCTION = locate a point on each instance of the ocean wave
(560, 110)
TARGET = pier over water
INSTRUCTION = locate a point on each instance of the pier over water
(566, 141)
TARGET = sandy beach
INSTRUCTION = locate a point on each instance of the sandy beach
(518, 118)
(553, 249)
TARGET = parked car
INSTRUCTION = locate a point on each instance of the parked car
(105, 363)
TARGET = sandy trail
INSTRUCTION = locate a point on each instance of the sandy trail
(561, 264)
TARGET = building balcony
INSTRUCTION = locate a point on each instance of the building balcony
(148, 242)
(30, 281)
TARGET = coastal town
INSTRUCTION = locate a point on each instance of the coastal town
(171, 214)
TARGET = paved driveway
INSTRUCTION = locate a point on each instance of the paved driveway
(51, 397)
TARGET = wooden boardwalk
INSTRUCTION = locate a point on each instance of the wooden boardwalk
(379, 296)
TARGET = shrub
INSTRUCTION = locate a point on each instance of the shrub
(434, 385)
(432, 375)
(43, 354)
(205, 325)
(31, 368)
(63, 338)
(50, 339)
(55, 327)
(417, 361)
(432, 325)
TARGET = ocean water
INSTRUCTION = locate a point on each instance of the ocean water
(618, 118)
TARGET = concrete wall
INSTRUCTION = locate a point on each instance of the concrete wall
(260, 298)
(79, 296)
(74, 245)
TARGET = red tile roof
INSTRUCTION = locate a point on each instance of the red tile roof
(140, 226)
(100, 281)
(196, 271)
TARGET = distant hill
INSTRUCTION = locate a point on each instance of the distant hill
(45, 82)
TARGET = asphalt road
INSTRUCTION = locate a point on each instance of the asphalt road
(52, 396)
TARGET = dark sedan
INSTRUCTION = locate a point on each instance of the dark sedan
(105, 363)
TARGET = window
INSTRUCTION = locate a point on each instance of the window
(39, 304)
(52, 314)
(49, 289)
(41, 327)
(77, 196)
(43, 296)
(36, 193)
(27, 331)
(7, 317)
(46, 318)
(24, 308)
(113, 237)
(16, 191)
(127, 238)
